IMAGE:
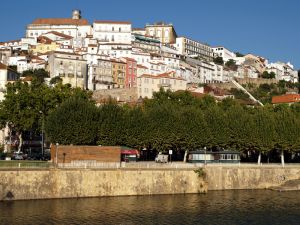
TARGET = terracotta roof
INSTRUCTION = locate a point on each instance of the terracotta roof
(60, 34)
(141, 29)
(44, 40)
(142, 66)
(92, 45)
(163, 75)
(130, 59)
(112, 22)
(288, 98)
(60, 21)
(3, 66)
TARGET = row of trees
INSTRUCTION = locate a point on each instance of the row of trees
(180, 122)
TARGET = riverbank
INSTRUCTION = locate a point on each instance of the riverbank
(75, 183)
(17, 184)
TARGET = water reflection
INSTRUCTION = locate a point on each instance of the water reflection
(220, 207)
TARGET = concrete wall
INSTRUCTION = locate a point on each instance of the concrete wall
(42, 184)
(229, 177)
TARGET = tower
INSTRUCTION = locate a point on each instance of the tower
(76, 14)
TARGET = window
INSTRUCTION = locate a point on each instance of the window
(119, 29)
(113, 29)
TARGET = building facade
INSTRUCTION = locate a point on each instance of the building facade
(118, 73)
(148, 84)
(131, 72)
(223, 52)
(165, 33)
(70, 67)
(112, 31)
(186, 46)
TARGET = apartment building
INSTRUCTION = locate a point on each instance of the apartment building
(223, 52)
(148, 84)
(70, 67)
(118, 73)
(112, 31)
(189, 47)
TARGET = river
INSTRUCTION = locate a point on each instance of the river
(216, 207)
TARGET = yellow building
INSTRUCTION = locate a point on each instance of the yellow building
(164, 32)
(118, 73)
(44, 45)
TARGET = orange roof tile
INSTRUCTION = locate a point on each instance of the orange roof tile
(60, 21)
(288, 98)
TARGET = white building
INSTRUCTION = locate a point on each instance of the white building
(189, 47)
(148, 84)
(112, 31)
(6, 75)
(223, 52)
(283, 71)
(76, 27)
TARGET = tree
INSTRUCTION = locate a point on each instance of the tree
(231, 64)
(25, 105)
(238, 54)
(74, 122)
(219, 60)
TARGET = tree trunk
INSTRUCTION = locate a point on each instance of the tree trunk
(20, 142)
(185, 156)
(259, 158)
(282, 157)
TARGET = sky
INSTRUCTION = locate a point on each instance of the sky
(268, 28)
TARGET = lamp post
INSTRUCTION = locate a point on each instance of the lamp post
(42, 133)
(205, 156)
(56, 150)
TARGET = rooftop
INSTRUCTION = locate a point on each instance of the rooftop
(287, 98)
(111, 22)
(60, 21)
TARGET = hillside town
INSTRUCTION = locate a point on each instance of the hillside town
(116, 57)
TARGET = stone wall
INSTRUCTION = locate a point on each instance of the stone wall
(229, 177)
(43, 184)
(63, 183)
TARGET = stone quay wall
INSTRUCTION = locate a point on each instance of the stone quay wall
(73, 183)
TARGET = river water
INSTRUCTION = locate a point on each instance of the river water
(216, 207)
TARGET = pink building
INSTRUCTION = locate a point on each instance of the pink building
(130, 72)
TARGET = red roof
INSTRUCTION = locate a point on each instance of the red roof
(60, 34)
(3, 66)
(287, 98)
(60, 21)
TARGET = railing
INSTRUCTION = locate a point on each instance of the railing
(24, 164)
(90, 164)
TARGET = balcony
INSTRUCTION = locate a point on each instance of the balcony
(168, 85)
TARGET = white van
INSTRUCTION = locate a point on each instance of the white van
(161, 158)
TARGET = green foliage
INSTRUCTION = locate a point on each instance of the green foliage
(55, 80)
(219, 60)
(201, 173)
(25, 105)
(238, 54)
(239, 94)
(38, 75)
(231, 64)
(268, 75)
(73, 123)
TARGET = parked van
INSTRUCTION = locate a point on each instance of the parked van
(161, 158)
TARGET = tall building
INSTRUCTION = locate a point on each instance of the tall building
(164, 32)
(112, 31)
(76, 27)
(189, 47)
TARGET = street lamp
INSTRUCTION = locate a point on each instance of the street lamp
(204, 155)
(42, 133)
(56, 149)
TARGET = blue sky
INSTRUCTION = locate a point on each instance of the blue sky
(269, 28)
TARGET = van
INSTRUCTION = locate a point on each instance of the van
(161, 158)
